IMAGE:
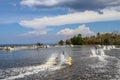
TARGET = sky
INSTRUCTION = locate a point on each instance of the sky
(48, 21)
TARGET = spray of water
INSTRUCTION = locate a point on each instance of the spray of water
(102, 53)
(108, 47)
(52, 60)
(104, 47)
(113, 47)
(99, 53)
(21, 72)
(93, 53)
(63, 59)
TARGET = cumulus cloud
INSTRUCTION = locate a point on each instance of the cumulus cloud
(84, 30)
(71, 4)
(66, 32)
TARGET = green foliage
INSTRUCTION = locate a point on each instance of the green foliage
(106, 41)
(39, 44)
(61, 42)
(103, 39)
(77, 40)
(68, 42)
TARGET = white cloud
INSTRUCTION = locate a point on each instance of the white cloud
(80, 17)
(84, 30)
(41, 25)
(66, 32)
(39, 32)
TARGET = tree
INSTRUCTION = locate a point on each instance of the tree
(77, 40)
(68, 42)
(39, 44)
(103, 39)
(98, 34)
(106, 41)
(61, 42)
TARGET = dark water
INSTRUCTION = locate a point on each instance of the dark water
(31, 65)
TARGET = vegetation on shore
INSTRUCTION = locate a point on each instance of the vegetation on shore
(39, 44)
(102, 39)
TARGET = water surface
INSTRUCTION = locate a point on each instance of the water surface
(31, 64)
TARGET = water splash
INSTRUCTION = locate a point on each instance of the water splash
(113, 46)
(102, 52)
(52, 60)
(93, 53)
(108, 47)
(21, 72)
(63, 59)
(104, 47)
(99, 53)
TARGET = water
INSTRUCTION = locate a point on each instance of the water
(38, 64)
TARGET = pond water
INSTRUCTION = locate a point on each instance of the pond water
(37, 64)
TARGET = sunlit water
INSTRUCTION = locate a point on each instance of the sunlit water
(40, 64)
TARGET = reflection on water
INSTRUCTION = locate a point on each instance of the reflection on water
(38, 64)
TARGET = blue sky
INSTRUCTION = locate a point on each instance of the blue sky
(48, 21)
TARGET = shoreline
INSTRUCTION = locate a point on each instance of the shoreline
(10, 48)
(24, 47)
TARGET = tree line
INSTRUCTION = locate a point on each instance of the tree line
(102, 39)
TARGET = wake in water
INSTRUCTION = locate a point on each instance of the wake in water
(21, 72)
(100, 55)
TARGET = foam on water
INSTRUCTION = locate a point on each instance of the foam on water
(117, 77)
(100, 55)
(103, 66)
(21, 72)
